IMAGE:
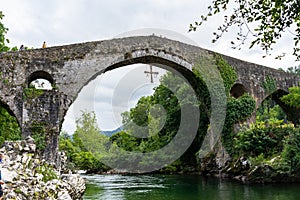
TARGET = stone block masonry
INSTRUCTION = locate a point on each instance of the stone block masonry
(69, 68)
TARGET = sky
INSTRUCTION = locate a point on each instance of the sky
(64, 22)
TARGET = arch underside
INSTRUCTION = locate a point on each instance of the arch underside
(10, 111)
(160, 59)
(40, 74)
(238, 90)
(293, 114)
(176, 65)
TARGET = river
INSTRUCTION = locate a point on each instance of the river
(182, 187)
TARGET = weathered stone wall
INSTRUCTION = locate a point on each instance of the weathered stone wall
(71, 67)
(43, 114)
(252, 76)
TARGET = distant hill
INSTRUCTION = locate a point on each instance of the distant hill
(110, 133)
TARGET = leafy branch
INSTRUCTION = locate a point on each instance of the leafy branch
(269, 18)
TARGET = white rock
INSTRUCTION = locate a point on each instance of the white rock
(63, 195)
(8, 175)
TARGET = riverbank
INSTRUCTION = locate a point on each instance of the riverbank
(249, 171)
(244, 170)
(28, 176)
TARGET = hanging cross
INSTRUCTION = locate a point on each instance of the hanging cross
(151, 72)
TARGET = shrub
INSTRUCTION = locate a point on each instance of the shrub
(291, 150)
(260, 139)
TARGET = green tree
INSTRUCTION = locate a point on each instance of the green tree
(270, 114)
(158, 118)
(293, 98)
(294, 70)
(265, 20)
(9, 127)
(291, 151)
(87, 146)
(89, 136)
(3, 31)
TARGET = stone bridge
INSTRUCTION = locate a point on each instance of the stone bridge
(69, 68)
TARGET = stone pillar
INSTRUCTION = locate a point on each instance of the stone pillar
(43, 112)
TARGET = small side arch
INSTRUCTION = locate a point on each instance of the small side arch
(238, 90)
(276, 95)
(292, 114)
(40, 75)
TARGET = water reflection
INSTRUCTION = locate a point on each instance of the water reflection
(181, 187)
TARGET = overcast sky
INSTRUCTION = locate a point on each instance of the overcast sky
(60, 22)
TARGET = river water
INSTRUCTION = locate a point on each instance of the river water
(182, 187)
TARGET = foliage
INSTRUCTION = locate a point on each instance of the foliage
(261, 139)
(2, 140)
(126, 141)
(293, 98)
(238, 110)
(294, 70)
(269, 85)
(156, 118)
(38, 133)
(265, 20)
(9, 127)
(31, 92)
(291, 151)
(278, 147)
(257, 160)
(88, 132)
(47, 171)
(228, 74)
(270, 141)
(85, 160)
(3, 31)
(270, 114)
(86, 147)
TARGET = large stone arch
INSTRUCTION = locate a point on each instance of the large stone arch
(157, 58)
(144, 56)
(154, 57)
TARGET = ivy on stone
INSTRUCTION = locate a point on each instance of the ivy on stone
(31, 92)
(38, 133)
(238, 110)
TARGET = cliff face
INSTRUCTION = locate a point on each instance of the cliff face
(28, 176)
